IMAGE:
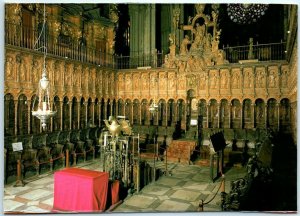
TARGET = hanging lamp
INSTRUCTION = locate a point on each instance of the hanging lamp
(44, 111)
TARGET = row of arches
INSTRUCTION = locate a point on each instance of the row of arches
(78, 113)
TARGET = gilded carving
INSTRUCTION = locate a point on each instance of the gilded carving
(162, 81)
(272, 78)
(202, 81)
(213, 79)
(191, 81)
(260, 78)
(120, 82)
(68, 74)
(235, 79)
(128, 82)
(77, 75)
(284, 76)
(9, 67)
(153, 81)
(171, 82)
(248, 78)
(145, 82)
(181, 82)
(37, 69)
(224, 79)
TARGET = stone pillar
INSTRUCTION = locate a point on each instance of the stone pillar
(111, 108)
(253, 115)
(86, 113)
(51, 119)
(99, 113)
(166, 108)
(16, 116)
(29, 116)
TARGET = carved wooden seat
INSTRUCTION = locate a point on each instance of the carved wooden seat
(79, 149)
(29, 161)
(88, 143)
(64, 139)
(11, 164)
(43, 152)
(56, 150)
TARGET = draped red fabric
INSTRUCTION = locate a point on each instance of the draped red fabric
(80, 190)
(115, 187)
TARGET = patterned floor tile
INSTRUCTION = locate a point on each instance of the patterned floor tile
(10, 205)
(36, 194)
(185, 195)
(172, 206)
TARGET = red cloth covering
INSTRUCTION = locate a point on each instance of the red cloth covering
(115, 192)
(80, 190)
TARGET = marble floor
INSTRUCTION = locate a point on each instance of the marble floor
(179, 192)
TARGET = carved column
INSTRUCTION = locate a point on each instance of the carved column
(175, 113)
(29, 116)
(166, 108)
(93, 112)
(111, 108)
(148, 114)
(131, 117)
(51, 119)
(278, 115)
(105, 110)
(78, 114)
(140, 111)
(266, 115)
(70, 115)
(99, 113)
(16, 116)
(253, 115)
(207, 115)
(241, 114)
(61, 114)
(86, 112)
(229, 114)
(219, 106)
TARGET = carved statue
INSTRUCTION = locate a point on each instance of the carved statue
(184, 44)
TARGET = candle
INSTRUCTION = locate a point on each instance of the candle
(44, 106)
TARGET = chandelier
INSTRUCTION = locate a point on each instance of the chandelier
(43, 112)
(246, 13)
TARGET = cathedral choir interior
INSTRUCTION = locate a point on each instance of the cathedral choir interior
(150, 108)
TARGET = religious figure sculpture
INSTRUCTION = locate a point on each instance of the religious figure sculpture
(184, 44)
